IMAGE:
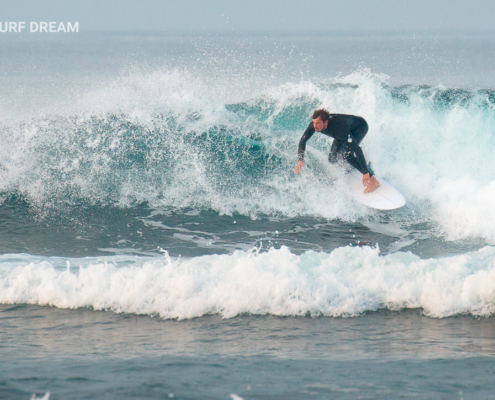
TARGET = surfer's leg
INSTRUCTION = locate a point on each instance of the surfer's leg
(352, 160)
(336, 152)
(359, 130)
(341, 153)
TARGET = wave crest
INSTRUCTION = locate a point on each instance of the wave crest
(169, 140)
(346, 282)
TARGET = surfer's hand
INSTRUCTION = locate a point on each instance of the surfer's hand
(373, 183)
(299, 166)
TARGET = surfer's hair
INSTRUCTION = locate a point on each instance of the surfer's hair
(322, 113)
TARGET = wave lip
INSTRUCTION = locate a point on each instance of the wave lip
(169, 139)
(347, 282)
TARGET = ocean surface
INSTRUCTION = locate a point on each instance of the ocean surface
(155, 242)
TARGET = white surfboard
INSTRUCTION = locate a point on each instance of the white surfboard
(384, 197)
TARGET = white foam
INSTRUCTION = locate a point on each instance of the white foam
(346, 282)
(437, 153)
(45, 397)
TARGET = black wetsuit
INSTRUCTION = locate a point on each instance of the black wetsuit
(341, 127)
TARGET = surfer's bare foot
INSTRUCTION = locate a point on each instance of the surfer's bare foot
(366, 179)
(372, 185)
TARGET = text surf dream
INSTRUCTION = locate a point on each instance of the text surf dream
(39, 27)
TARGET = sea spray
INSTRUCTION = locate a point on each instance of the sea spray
(167, 140)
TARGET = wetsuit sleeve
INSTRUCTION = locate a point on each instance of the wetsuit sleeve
(310, 130)
(356, 149)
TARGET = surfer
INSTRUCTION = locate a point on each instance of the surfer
(347, 131)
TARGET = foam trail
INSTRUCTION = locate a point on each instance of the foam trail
(346, 282)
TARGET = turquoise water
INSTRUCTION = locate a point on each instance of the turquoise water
(155, 242)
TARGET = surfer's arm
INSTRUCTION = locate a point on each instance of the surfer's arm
(302, 146)
(304, 138)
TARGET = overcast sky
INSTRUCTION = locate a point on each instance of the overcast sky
(295, 16)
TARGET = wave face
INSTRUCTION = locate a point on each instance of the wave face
(346, 282)
(170, 140)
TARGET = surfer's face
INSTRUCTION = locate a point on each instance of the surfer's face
(319, 125)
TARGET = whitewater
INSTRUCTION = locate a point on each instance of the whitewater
(190, 152)
(150, 210)
(346, 282)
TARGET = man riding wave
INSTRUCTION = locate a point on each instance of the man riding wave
(347, 131)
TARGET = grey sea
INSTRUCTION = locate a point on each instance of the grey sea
(155, 242)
